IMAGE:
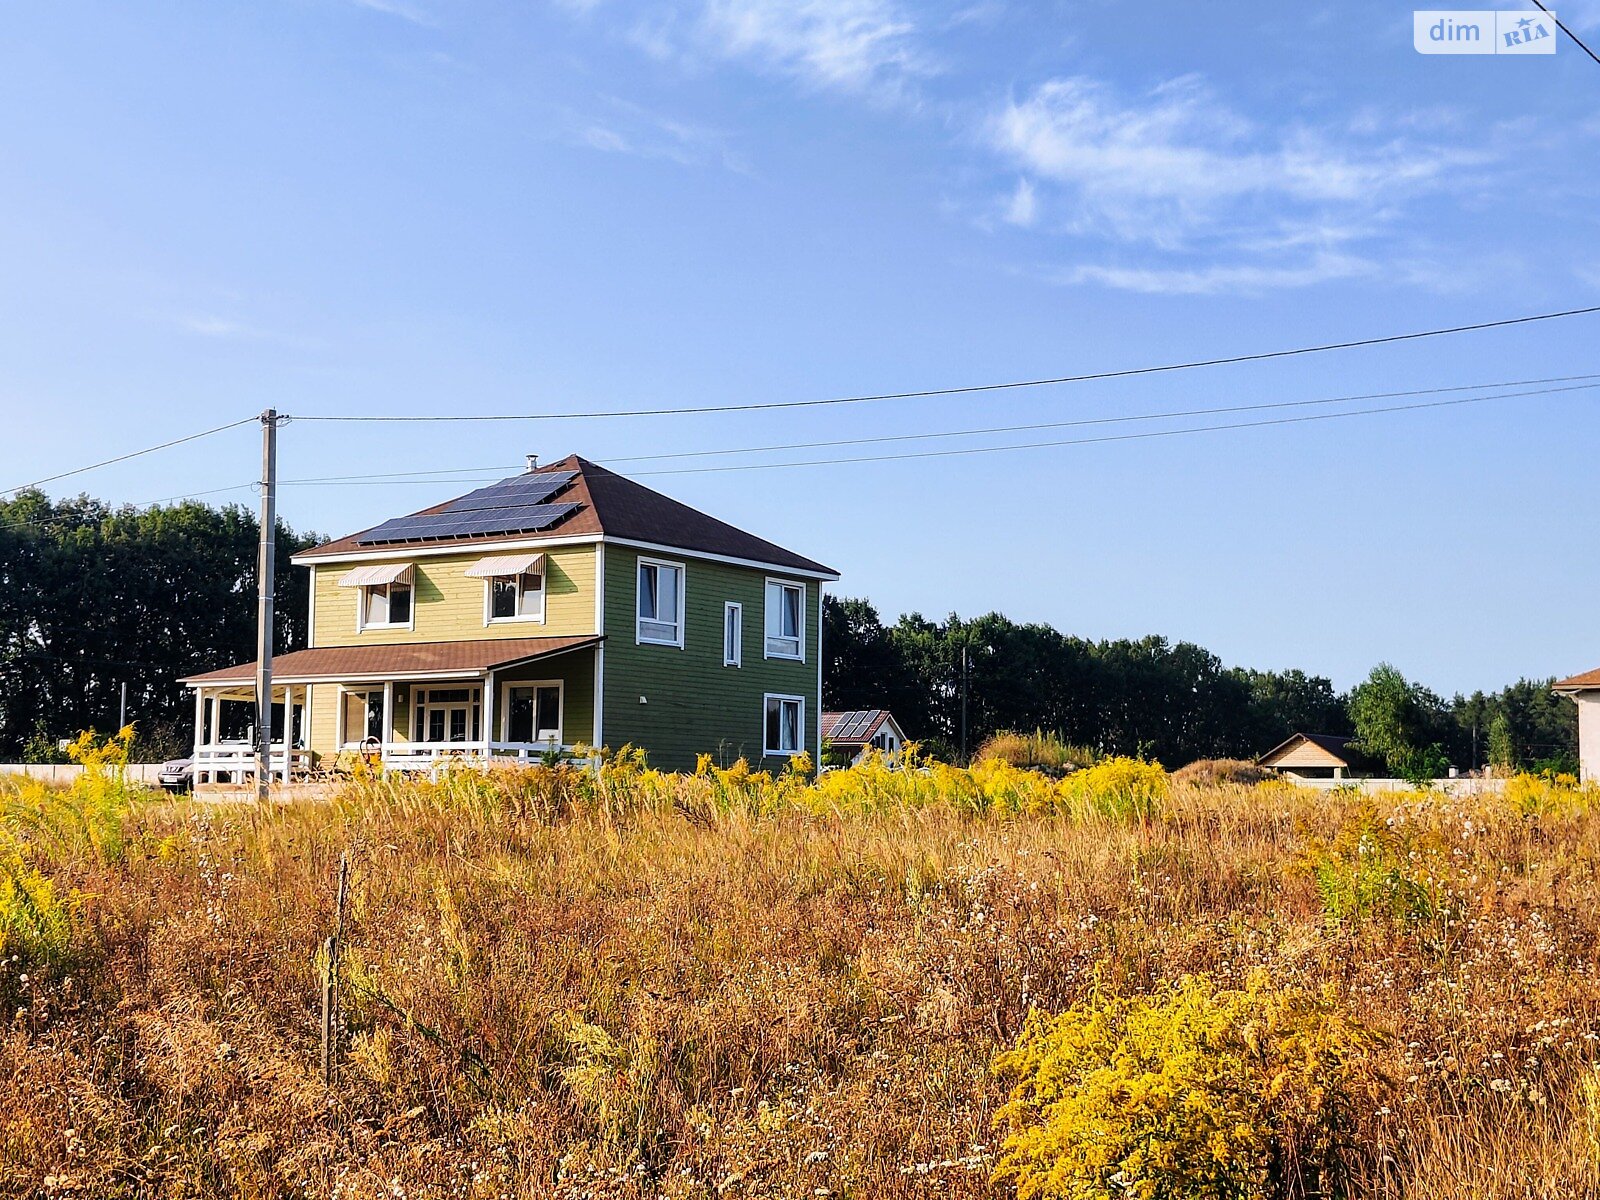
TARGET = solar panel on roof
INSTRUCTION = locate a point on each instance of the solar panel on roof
(510, 493)
(523, 518)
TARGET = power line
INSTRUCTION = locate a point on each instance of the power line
(966, 390)
(1561, 26)
(473, 473)
(193, 437)
(1120, 437)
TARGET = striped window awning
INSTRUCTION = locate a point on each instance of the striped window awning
(507, 564)
(377, 575)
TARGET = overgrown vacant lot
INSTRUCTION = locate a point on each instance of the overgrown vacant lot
(688, 986)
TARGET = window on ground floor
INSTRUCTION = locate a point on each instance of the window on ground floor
(448, 714)
(363, 715)
(533, 713)
(785, 723)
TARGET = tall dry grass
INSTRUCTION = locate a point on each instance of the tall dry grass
(723, 984)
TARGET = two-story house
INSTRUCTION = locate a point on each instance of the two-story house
(567, 606)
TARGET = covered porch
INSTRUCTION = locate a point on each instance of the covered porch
(401, 707)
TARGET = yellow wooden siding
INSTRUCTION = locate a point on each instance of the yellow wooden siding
(324, 718)
(449, 604)
(1306, 754)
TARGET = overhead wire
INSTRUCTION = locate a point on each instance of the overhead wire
(926, 393)
(470, 474)
(193, 437)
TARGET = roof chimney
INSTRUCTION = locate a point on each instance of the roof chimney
(533, 463)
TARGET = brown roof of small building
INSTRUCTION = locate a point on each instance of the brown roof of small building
(853, 728)
(615, 506)
(391, 662)
(1578, 683)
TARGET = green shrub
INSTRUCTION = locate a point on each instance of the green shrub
(1192, 1093)
(1370, 870)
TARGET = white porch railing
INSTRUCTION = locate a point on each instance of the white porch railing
(430, 756)
(237, 760)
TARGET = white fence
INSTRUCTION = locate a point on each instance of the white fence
(1456, 785)
(145, 773)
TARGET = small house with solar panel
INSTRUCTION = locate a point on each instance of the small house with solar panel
(564, 608)
(854, 735)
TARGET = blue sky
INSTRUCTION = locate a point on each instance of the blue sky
(426, 206)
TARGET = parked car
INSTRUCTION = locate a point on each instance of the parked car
(177, 775)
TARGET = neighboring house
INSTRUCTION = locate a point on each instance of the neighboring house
(1318, 756)
(568, 606)
(862, 731)
(1585, 692)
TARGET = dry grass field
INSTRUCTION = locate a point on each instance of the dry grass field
(672, 986)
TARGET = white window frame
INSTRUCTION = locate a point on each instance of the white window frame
(800, 726)
(346, 693)
(503, 713)
(638, 599)
(520, 617)
(766, 619)
(475, 697)
(733, 648)
(362, 594)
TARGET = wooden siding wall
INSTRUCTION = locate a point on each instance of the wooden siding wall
(693, 704)
(449, 604)
(1306, 754)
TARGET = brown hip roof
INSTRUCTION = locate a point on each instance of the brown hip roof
(612, 506)
(1578, 683)
(385, 662)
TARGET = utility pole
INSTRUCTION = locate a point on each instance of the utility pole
(965, 760)
(264, 585)
(122, 708)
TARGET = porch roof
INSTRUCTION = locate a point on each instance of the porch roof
(400, 661)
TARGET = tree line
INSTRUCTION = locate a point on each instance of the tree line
(1173, 701)
(93, 597)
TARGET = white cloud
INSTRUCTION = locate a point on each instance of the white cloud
(844, 44)
(1218, 202)
(396, 8)
(623, 127)
(1219, 278)
(1023, 206)
(212, 326)
(1178, 161)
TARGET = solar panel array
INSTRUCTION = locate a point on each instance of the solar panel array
(515, 505)
(519, 489)
(853, 725)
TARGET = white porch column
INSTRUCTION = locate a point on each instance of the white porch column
(488, 714)
(199, 729)
(388, 718)
(288, 733)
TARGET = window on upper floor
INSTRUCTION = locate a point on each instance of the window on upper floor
(516, 598)
(786, 620)
(660, 603)
(385, 605)
(785, 724)
(384, 595)
(513, 586)
(732, 634)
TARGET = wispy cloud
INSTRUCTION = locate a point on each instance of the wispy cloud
(864, 47)
(622, 127)
(1218, 202)
(1217, 278)
(851, 45)
(1022, 206)
(397, 8)
(1177, 161)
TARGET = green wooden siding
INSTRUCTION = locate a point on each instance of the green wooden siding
(575, 671)
(692, 703)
